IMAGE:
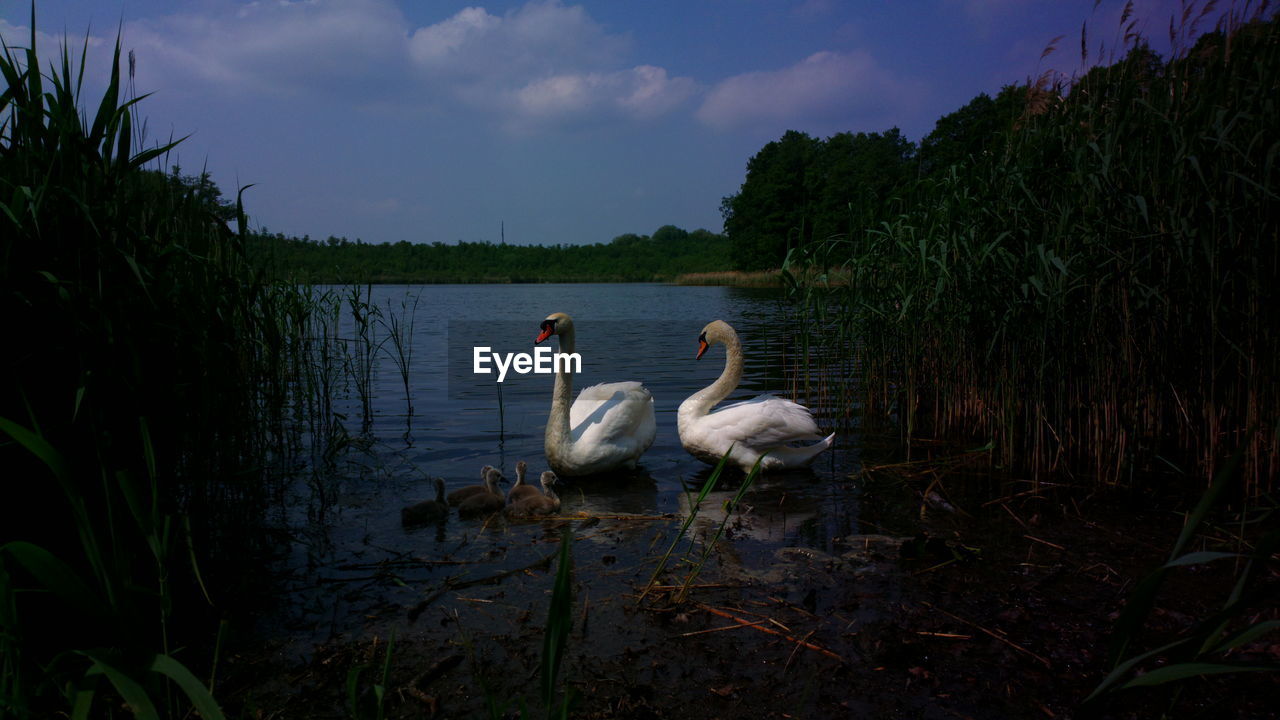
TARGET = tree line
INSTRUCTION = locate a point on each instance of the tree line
(670, 251)
(800, 189)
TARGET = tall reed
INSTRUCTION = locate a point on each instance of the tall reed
(400, 329)
(1094, 296)
(145, 388)
(361, 348)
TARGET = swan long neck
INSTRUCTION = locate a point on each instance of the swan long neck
(557, 435)
(702, 402)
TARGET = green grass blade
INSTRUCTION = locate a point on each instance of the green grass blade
(1247, 635)
(380, 690)
(710, 546)
(1223, 480)
(55, 576)
(39, 447)
(684, 527)
(130, 690)
(559, 622)
(1197, 558)
(190, 685)
(104, 122)
(1123, 669)
(82, 698)
(353, 691)
(1183, 671)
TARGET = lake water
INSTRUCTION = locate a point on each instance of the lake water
(343, 520)
(809, 603)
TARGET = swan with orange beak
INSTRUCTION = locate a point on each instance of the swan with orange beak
(608, 427)
(765, 426)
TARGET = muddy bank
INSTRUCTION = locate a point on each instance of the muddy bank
(992, 610)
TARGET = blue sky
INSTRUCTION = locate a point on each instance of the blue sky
(568, 123)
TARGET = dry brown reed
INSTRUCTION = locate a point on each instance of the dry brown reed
(734, 278)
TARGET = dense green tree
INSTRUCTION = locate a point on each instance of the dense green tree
(628, 239)
(670, 234)
(202, 190)
(975, 129)
(1135, 72)
(799, 189)
(857, 175)
(771, 212)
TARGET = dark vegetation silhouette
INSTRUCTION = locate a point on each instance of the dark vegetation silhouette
(668, 253)
(1076, 273)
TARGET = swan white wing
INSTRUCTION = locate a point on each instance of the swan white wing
(613, 413)
(607, 391)
(761, 422)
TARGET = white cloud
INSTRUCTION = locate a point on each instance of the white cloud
(436, 43)
(538, 39)
(535, 65)
(49, 48)
(823, 88)
(650, 92)
(557, 95)
(19, 37)
(641, 92)
(541, 64)
(308, 46)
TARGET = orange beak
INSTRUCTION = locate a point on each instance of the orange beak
(542, 336)
(702, 348)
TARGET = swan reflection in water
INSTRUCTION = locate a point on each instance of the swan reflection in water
(775, 509)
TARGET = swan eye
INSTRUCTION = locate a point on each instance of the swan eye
(702, 338)
(548, 325)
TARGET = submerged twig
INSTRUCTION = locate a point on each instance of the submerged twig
(452, 584)
(723, 627)
(993, 634)
(404, 563)
(1044, 542)
(698, 586)
(760, 626)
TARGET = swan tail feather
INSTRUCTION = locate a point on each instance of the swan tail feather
(790, 457)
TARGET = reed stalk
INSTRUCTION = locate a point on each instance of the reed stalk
(157, 383)
(1091, 295)
(399, 328)
(556, 634)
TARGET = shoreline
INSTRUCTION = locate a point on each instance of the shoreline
(727, 278)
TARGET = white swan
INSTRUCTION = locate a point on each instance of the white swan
(760, 426)
(609, 426)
